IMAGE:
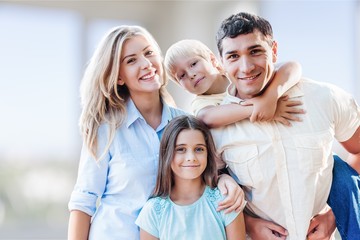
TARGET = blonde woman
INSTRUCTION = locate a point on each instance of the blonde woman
(125, 110)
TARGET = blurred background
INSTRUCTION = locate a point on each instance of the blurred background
(44, 47)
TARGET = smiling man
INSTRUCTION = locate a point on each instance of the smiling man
(287, 172)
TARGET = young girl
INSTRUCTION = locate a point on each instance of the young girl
(125, 110)
(185, 196)
(194, 66)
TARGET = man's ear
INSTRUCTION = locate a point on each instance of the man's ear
(274, 51)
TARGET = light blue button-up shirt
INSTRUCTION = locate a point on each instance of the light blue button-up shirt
(123, 179)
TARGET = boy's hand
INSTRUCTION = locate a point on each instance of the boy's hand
(287, 111)
(264, 108)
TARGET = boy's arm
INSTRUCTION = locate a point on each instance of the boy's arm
(221, 115)
(286, 76)
(260, 108)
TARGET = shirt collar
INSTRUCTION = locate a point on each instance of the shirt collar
(165, 117)
(133, 114)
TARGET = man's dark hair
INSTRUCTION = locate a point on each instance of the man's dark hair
(242, 23)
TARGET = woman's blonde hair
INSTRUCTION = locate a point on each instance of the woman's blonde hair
(186, 48)
(102, 99)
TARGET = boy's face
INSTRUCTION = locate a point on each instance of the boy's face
(249, 61)
(195, 74)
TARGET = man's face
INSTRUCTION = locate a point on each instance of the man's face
(249, 61)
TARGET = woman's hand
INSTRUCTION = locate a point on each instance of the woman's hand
(234, 200)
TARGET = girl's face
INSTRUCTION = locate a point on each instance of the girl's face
(195, 74)
(140, 66)
(190, 157)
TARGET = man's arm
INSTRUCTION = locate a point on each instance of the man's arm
(353, 147)
(324, 224)
(354, 161)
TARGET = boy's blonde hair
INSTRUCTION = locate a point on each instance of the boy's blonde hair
(184, 48)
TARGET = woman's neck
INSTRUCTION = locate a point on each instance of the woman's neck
(187, 192)
(150, 107)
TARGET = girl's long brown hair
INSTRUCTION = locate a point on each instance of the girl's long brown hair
(165, 178)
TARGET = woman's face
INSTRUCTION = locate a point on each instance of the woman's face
(140, 66)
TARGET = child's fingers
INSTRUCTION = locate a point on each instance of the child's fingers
(295, 110)
(283, 121)
(253, 117)
(293, 103)
(292, 117)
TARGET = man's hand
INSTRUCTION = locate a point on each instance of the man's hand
(234, 201)
(260, 229)
(322, 226)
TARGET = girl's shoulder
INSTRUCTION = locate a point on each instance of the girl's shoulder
(157, 204)
(213, 194)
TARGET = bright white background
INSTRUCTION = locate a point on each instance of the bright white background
(44, 46)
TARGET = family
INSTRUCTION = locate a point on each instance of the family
(253, 161)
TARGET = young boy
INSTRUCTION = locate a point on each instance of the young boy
(194, 66)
